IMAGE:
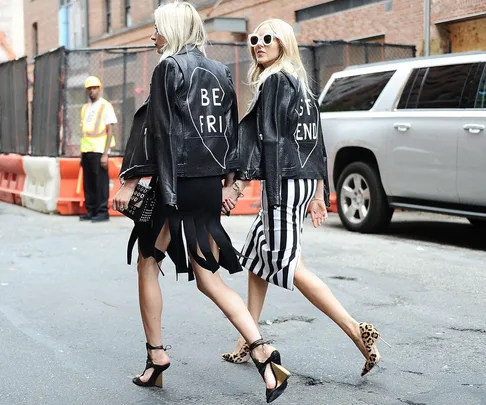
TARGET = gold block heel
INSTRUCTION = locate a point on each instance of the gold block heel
(281, 373)
(159, 382)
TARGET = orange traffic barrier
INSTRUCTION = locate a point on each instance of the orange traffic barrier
(114, 166)
(12, 178)
(333, 199)
(70, 200)
(250, 203)
(71, 194)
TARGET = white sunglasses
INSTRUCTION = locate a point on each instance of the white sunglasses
(265, 40)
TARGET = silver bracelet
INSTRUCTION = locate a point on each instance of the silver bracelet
(237, 188)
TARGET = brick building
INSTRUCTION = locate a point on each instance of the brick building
(456, 25)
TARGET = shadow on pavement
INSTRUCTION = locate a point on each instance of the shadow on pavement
(455, 234)
(442, 232)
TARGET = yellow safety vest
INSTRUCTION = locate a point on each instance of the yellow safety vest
(94, 132)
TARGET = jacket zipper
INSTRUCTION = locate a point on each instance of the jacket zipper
(145, 143)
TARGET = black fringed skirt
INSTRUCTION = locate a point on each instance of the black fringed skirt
(198, 215)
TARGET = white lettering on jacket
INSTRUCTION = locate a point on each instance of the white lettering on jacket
(307, 131)
(210, 124)
(216, 94)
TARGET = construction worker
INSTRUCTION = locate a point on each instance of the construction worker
(97, 120)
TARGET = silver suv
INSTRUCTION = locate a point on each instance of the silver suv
(407, 134)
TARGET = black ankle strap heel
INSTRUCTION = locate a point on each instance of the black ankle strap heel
(149, 347)
(156, 377)
(280, 373)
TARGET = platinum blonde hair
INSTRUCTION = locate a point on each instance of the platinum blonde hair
(181, 25)
(288, 60)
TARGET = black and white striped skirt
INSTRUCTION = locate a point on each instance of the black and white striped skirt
(274, 244)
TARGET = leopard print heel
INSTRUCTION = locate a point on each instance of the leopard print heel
(242, 356)
(369, 336)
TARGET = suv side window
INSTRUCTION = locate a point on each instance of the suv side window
(480, 101)
(355, 93)
(441, 87)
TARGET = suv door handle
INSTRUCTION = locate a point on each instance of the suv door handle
(403, 127)
(474, 128)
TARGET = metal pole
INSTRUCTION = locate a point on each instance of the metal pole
(316, 70)
(64, 92)
(123, 112)
(426, 27)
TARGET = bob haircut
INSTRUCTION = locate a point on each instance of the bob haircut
(181, 25)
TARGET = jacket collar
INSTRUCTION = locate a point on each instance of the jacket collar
(189, 48)
(256, 95)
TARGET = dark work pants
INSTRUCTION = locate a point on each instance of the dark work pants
(96, 183)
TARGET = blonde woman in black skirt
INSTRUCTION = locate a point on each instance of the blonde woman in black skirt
(281, 144)
(185, 138)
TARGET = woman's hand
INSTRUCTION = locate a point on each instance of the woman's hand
(230, 197)
(318, 212)
(123, 195)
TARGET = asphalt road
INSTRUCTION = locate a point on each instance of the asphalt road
(70, 331)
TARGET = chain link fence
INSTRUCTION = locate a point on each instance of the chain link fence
(49, 77)
(14, 129)
(334, 56)
(126, 72)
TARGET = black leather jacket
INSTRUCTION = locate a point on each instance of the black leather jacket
(281, 137)
(188, 125)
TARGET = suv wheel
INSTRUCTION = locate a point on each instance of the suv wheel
(361, 200)
(477, 222)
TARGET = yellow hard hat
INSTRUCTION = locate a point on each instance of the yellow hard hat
(92, 81)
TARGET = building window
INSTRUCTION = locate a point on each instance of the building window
(128, 13)
(330, 7)
(35, 39)
(108, 15)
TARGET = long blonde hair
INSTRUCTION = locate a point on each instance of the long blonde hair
(181, 25)
(288, 60)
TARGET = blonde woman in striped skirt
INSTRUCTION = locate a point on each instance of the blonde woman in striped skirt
(281, 144)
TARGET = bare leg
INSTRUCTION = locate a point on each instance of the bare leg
(235, 310)
(319, 294)
(150, 300)
(257, 291)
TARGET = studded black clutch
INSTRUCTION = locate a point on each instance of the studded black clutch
(142, 203)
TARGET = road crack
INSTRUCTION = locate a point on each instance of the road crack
(284, 319)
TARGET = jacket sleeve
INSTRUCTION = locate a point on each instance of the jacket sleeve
(163, 90)
(139, 157)
(233, 154)
(272, 126)
(326, 196)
